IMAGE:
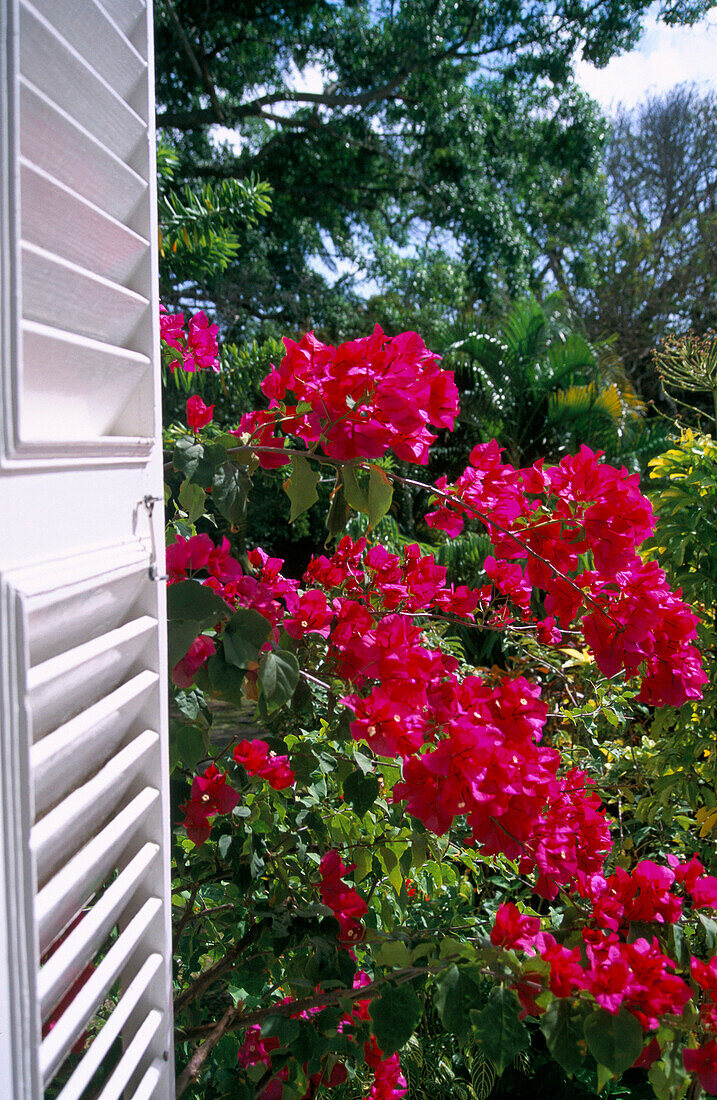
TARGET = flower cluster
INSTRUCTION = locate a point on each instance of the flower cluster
(199, 652)
(258, 759)
(564, 559)
(210, 795)
(343, 901)
(358, 400)
(257, 1049)
(636, 976)
(197, 554)
(267, 592)
(546, 526)
(388, 1083)
(197, 345)
(511, 928)
(468, 747)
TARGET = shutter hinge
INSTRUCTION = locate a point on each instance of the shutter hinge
(154, 575)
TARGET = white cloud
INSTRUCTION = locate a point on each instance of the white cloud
(665, 56)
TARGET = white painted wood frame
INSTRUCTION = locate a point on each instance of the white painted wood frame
(85, 932)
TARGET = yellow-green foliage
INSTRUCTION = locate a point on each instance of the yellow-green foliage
(682, 757)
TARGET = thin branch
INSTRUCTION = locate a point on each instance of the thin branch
(181, 924)
(219, 968)
(242, 1019)
(194, 1067)
(200, 68)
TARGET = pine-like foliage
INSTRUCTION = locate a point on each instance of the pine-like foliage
(199, 226)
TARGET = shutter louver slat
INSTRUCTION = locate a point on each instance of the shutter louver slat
(54, 67)
(62, 831)
(111, 379)
(149, 1082)
(68, 961)
(54, 141)
(64, 758)
(130, 1060)
(84, 26)
(111, 1031)
(63, 896)
(59, 1041)
(65, 685)
(129, 15)
(50, 284)
(95, 241)
(88, 610)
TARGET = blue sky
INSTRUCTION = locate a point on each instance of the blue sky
(664, 57)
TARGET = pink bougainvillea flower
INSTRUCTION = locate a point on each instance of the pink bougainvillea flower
(358, 400)
(198, 654)
(650, 1054)
(513, 928)
(197, 345)
(198, 414)
(202, 347)
(704, 892)
(171, 328)
(345, 903)
(703, 1063)
(210, 795)
(258, 759)
(312, 616)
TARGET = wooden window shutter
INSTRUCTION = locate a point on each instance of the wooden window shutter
(85, 932)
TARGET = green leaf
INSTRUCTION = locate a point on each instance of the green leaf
(197, 460)
(364, 862)
(282, 1028)
(338, 515)
(180, 636)
(392, 953)
(300, 486)
(614, 1041)
(710, 928)
(562, 1025)
(380, 495)
(189, 703)
(186, 744)
(192, 497)
(278, 677)
(361, 791)
(355, 495)
(226, 680)
(230, 488)
(668, 1076)
(396, 1014)
(498, 1029)
(195, 601)
(172, 355)
(243, 637)
(457, 992)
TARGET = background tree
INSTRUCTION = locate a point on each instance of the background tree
(457, 119)
(656, 262)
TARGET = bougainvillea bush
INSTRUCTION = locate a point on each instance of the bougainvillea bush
(373, 837)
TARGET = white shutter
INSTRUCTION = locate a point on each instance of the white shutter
(85, 934)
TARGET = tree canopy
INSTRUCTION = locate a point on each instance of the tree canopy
(385, 127)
